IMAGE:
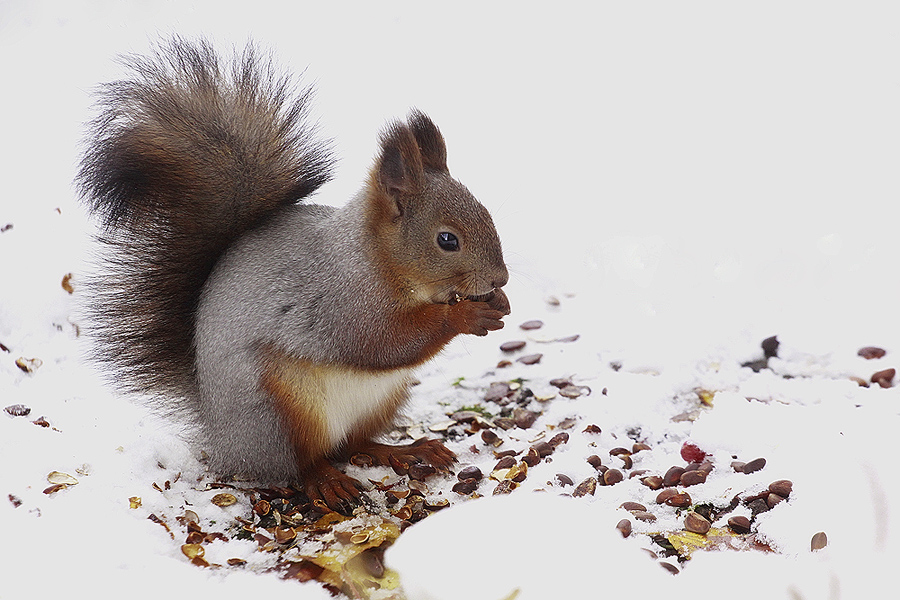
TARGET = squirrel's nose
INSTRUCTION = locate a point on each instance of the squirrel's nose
(501, 278)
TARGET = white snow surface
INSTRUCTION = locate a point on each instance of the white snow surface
(685, 178)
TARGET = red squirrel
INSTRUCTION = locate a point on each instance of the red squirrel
(286, 331)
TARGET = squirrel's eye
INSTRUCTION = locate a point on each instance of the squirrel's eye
(447, 241)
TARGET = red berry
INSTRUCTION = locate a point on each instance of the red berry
(692, 453)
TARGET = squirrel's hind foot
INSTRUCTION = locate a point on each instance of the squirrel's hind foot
(324, 482)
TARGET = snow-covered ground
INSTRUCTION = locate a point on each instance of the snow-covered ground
(686, 179)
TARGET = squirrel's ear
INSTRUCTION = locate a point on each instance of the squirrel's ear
(430, 141)
(400, 170)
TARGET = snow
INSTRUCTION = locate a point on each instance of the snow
(686, 179)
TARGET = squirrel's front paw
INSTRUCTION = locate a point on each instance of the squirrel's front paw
(477, 318)
(499, 301)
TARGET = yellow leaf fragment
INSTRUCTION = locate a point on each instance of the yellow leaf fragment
(224, 500)
(687, 542)
(134, 502)
(706, 397)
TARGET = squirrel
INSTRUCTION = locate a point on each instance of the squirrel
(287, 332)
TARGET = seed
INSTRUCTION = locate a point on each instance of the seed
(421, 471)
(592, 429)
(262, 508)
(669, 567)
(573, 391)
(870, 352)
(626, 460)
(490, 438)
(818, 541)
(682, 500)
(638, 447)
(773, 499)
(567, 423)
(782, 487)
(236, 562)
(465, 487)
(532, 457)
(543, 449)
(525, 418)
(504, 423)
(673, 476)
(665, 495)
(497, 391)
(692, 478)
(586, 487)
(470, 472)
(739, 524)
(631, 506)
(505, 463)
(696, 523)
(558, 439)
(754, 465)
(530, 359)
(737, 466)
(518, 473)
(884, 378)
(17, 410)
(618, 452)
(362, 460)
(770, 347)
(612, 477)
(560, 382)
(564, 479)
(758, 506)
(642, 515)
(654, 482)
(624, 527)
(594, 460)
(512, 346)
(530, 325)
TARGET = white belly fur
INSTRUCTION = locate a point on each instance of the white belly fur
(352, 396)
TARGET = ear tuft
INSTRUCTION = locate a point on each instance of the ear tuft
(430, 141)
(400, 169)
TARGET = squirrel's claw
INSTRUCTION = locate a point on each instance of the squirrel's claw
(336, 489)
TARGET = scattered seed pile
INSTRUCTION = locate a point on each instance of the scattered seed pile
(512, 435)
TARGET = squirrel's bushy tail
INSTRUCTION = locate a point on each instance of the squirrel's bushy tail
(185, 156)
